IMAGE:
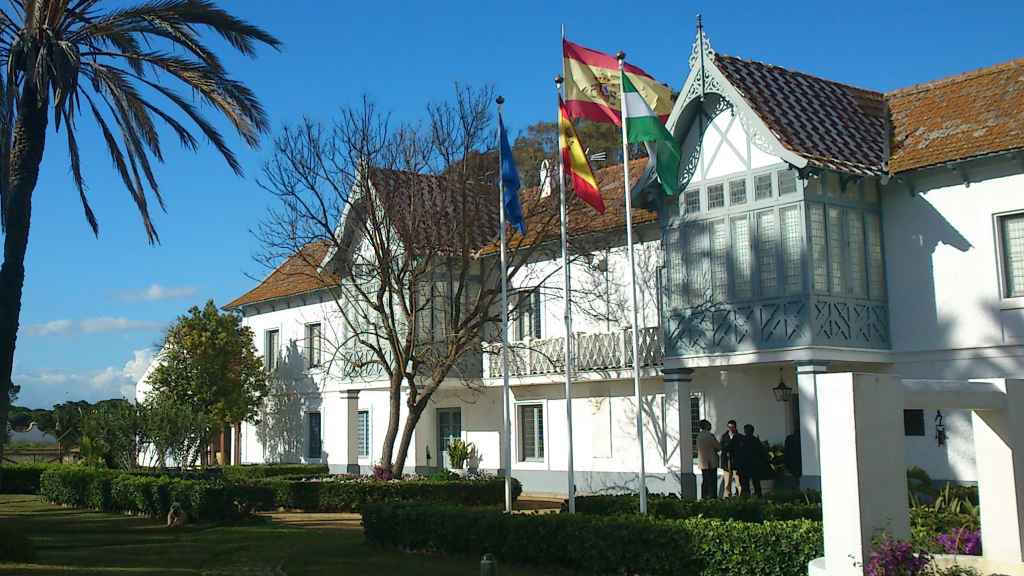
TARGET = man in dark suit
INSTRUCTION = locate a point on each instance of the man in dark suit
(751, 461)
(730, 483)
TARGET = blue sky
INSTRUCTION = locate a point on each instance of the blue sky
(93, 308)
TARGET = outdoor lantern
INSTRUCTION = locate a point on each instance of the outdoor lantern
(782, 392)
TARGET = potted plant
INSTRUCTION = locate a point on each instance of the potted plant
(459, 452)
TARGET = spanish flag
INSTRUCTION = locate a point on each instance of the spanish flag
(575, 162)
(592, 85)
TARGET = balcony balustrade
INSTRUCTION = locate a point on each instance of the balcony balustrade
(592, 352)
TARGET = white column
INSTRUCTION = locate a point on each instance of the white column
(807, 375)
(1001, 474)
(346, 421)
(863, 472)
(678, 446)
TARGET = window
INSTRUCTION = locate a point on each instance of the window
(763, 187)
(876, 266)
(716, 196)
(526, 314)
(835, 249)
(767, 247)
(1011, 232)
(719, 255)
(272, 349)
(792, 245)
(855, 250)
(787, 182)
(913, 422)
(696, 252)
(313, 345)
(531, 432)
(819, 249)
(737, 192)
(691, 200)
(363, 433)
(315, 442)
(696, 414)
(743, 283)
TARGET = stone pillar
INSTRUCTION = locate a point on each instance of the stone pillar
(678, 446)
(863, 471)
(807, 375)
(346, 426)
(999, 457)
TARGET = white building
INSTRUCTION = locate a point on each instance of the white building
(824, 228)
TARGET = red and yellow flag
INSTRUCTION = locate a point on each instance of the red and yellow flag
(575, 162)
(592, 85)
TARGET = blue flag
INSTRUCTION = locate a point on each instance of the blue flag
(510, 180)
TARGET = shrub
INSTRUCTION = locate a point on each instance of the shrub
(960, 541)
(670, 506)
(15, 546)
(254, 471)
(602, 545)
(891, 557)
(926, 524)
(22, 478)
(350, 494)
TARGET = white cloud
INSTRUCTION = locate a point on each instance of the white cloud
(58, 327)
(44, 388)
(157, 292)
(91, 326)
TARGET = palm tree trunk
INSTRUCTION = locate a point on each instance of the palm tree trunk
(26, 156)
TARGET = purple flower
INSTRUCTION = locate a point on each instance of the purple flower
(896, 558)
(961, 541)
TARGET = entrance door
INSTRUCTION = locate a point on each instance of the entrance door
(449, 427)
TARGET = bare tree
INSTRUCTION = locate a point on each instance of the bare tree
(399, 224)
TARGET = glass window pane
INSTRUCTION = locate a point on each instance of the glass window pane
(719, 253)
(787, 182)
(313, 345)
(742, 263)
(792, 242)
(692, 201)
(696, 252)
(767, 246)
(737, 192)
(272, 349)
(531, 432)
(855, 250)
(315, 444)
(695, 417)
(363, 433)
(1013, 254)
(763, 187)
(876, 265)
(819, 256)
(716, 196)
(835, 250)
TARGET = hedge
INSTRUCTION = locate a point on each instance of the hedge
(671, 506)
(255, 471)
(601, 544)
(350, 495)
(22, 478)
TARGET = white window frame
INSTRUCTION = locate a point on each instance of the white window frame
(267, 351)
(521, 460)
(308, 349)
(1007, 301)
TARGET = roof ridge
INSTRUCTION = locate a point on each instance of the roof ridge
(955, 78)
(802, 73)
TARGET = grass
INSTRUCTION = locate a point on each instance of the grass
(70, 541)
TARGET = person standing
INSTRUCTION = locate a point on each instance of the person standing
(729, 443)
(751, 461)
(707, 456)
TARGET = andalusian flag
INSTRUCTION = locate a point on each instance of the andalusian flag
(592, 85)
(643, 126)
(575, 162)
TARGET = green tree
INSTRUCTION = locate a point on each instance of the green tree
(64, 59)
(114, 434)
(208, 362)
(175, 430)
(540, 142)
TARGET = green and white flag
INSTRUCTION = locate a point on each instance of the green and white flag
(642, 125)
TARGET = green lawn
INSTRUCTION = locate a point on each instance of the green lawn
(84, 542)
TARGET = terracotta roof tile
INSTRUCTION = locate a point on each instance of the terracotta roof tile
(832, 125)
(296, 275)
(965, 116)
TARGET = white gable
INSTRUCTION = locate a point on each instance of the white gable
(726, 149)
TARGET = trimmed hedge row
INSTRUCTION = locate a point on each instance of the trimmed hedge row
(113, 491)
(22, 478)
(352, 494)
(257, 471)
(601, 544)
(671, 506)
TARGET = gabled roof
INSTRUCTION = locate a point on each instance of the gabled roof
(973, 114)
(832, 125)
(298, 274)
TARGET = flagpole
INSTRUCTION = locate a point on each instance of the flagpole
(621, 57)
(506, 393)
(567, 297)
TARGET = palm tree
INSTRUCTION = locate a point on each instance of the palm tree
(71, 58)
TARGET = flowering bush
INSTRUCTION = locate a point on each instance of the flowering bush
(960, 541)
(891, 557)
(382, 473)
